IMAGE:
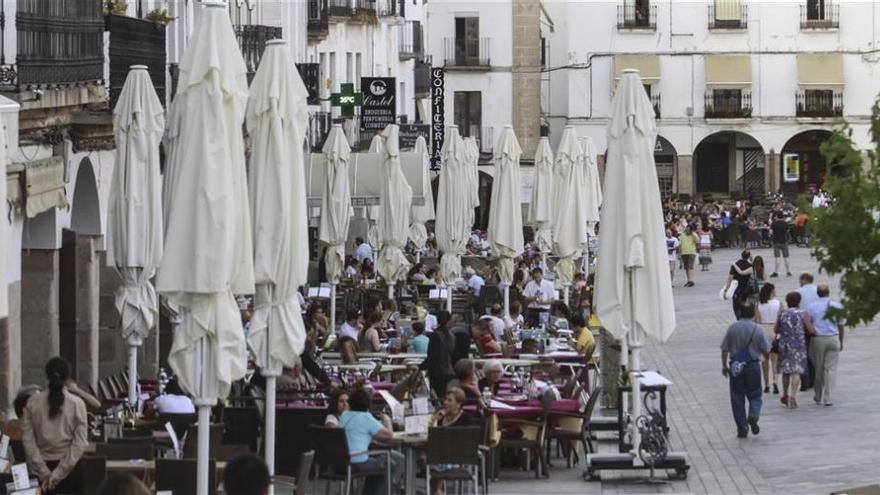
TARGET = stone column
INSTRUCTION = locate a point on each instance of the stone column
(771, 172)
(111, 348)
(10, 348)
(39, 312)
(526, 75)
(87, 314)
(685, 174)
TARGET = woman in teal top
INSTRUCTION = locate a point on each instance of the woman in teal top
(419, 343)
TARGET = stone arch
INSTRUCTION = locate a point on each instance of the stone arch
(666, 161)
(801, 165)
(729, 163)
(85, 214)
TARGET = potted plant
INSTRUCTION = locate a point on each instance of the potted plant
(159, 16)
(117, 7)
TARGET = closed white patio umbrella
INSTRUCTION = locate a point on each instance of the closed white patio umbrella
(472, 157)
(208, 252)
(542, 208)
(377, 145)
(569, 223)
(395, 202)
(335, 210)
(453, 209)
(277, 119)
(423, 214)
(134, 219)
(633, 290)
(593, 191)
(505, 217)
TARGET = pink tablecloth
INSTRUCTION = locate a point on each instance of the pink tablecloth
(530, 409)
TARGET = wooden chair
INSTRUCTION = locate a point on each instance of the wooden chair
(300, 482)
(331, 453)
(526, 442)
(179, 476)
(571, 427)
(455, 445)
(179, 422)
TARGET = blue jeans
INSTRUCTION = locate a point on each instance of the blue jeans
(746, 386)
(375, 485)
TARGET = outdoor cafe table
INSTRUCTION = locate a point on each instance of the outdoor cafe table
(409, 444)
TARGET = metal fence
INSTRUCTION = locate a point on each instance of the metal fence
(252, 41)
(728, 104)
(411, 40)
(819, 103)
(820, 14)
(636, 16)
(458, 52)
(135, 42)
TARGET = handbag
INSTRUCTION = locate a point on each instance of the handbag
(742, 358)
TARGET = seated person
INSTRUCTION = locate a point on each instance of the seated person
(466, 379)
(492, 372)
(418, 344)
(529, 346)
(361, 428)
(338, 404)
(452, 413)
(12, 428)
(482, 335)
(352, 325)
(246, 475)
(586, 342)
(369, 338)
(348, 349)
(174, 400)
(494, 318)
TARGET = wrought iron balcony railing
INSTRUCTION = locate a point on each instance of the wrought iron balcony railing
(820, 14)
(59, 43)
(655, 102)
(460, 52)
(637, 16)
(340, 8)
(252, 41)
(411, 40)
(728, 104)
(318, 12)
(819, 103)
(728, 14)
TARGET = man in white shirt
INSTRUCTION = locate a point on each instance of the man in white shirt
(539, 292)
(672, 249)
(363, 251)
(474, 281)
(352, 325)
(495, 322)
(174, 401)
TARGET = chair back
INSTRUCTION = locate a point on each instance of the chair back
(305, 468)
(591, 403)
(191, 445)
(242, 426)
(179, 476)
(330, 446)
(123, 451)
(179, 422)
(453, 445)
(94, 470)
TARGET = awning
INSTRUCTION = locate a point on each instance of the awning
(44, 186)
(13, 190)
(648, 66)
(731, 70)
(820, 69)
(728, 10)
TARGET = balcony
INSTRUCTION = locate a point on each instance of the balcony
(820, 14)
(60, 43)
(365, 8)
(319, 126)
(390, 8)
(483, 135)
(135, 42)
(655, 102)
(318, 25)
(728, 15)
(637, 17)
(819, 103)
(422, 78)
(252, 41)
(464, 54)
(728, 104)
(411, 41)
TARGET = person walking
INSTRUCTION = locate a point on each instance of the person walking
(741, 271)
(809, 295)
(438, 362)
(779, 233)
(705, 257)
(741, 350)
(792, 326)
(826, 344)
(769, 309)
(672, 249)
(687, 248)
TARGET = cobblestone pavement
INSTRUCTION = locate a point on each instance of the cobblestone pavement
(810, 450)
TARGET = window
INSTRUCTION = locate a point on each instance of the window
(728, 103)
(636, 14)
(325, 75)
(332, 71)
(816, 10)
(467, 41)
(469, 112)
(358, 68)
(820, 103)
(402, 100)
(349, 69)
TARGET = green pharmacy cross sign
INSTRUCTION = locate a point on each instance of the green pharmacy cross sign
(346, 99)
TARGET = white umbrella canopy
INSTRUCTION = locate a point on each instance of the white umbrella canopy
(541, 210)
(395, 202)
(134, 219)
(593, 189)
(453, 205)
(421, 215)
(277, 119)
(377, 145)
(335, 202)
(632, 241)
(569, 223)
(208, 254)
(472, 157)
(505, 217)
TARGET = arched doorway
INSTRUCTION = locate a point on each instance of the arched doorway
(729, 163)
(665, 159)
(481, 215)
(85, 214)
(802, 166)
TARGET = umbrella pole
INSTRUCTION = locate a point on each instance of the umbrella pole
(449, 299)
(636, 366)
(204, 449)
(133, 343)
(565, 295)
(333, 308)
(544, 262)
(390, 289)
(418, 256)
(270, 425)
(506, 300)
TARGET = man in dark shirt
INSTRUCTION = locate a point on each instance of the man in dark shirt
(745, 336)
(779, 229)
(741, 271)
